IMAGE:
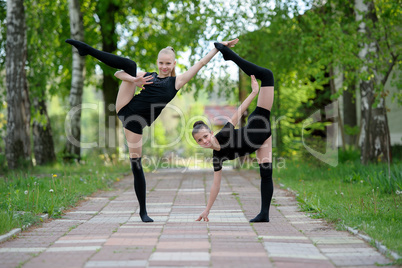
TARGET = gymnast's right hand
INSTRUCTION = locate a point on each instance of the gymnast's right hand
(141, 81)
(203, 216)
(230, 43)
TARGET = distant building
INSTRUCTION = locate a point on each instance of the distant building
(219, 115)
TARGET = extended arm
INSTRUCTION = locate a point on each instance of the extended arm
(243, 107)
(216, 186)
(183, 79)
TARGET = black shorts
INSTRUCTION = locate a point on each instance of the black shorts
(132, 121)
(258, 127)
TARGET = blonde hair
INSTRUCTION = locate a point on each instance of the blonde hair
(169, 50)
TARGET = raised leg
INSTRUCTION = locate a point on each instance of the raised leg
(265, 75)
(109, 59)
(266, 97)
(125, 94)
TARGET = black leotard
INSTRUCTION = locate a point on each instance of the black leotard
(239, 142)
(145, 107)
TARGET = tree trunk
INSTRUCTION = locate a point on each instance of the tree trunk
(333, 91)
(350, 123)
(374, 139)
(72, 150)
(42, 136)
(349, 114)
(18, 145)
(110, 85)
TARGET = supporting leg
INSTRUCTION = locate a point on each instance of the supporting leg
(264, 157)
(267, 189)
(140, 187)
(134, 142)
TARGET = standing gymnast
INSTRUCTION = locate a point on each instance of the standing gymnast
(231, 143)
(138, 111)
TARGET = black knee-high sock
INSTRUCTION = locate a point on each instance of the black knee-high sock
(140, 187)
(267, 189)
(109, 59)
(265, 75)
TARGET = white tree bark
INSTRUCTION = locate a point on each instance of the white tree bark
(77, 83)
(374, 137)
(18, 145)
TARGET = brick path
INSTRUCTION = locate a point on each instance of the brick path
(104, 231)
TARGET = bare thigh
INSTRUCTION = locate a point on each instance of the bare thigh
(134, 143)
(266, 98)
(125, 94)
(264, 153)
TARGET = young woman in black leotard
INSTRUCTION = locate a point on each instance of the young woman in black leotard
(231, 143)
(138, 111)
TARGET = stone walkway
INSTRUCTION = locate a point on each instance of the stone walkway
(104, 231)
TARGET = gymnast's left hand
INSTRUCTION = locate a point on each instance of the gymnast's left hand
(141, 81)
(254, 85)
(203, 216)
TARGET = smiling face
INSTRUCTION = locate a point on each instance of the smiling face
(166, 63)
(204, 138)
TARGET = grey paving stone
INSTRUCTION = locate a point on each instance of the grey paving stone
(109, 233)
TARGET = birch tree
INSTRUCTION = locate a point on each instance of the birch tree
(375, 136)
(18, 145)
(73, 128)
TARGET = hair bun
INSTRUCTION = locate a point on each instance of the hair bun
(171, 48)
(198, 123)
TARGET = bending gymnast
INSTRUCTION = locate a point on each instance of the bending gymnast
(231, 143)
(138, 111)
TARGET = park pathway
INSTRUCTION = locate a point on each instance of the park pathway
(104, 231)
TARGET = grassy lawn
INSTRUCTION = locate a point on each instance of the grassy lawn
(25, 195)
(361, 197)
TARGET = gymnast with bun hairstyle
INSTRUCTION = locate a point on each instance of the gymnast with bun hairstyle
(230, 143)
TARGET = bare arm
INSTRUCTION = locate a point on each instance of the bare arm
(243, 107)
(122, 75)
(183, 79)
(216, 186)
(139, 80)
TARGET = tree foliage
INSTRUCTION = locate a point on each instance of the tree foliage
(303, 42)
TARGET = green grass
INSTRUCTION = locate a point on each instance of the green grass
(362, 197)
(25, 195)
